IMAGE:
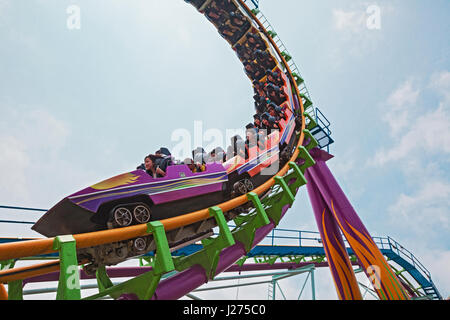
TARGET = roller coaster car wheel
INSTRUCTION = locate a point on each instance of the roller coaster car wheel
(141, 214)
(249, 185)
(240, 188)
(122, 217)
(243, 187)
(140, 244)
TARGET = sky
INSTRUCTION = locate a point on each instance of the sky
(80, 105)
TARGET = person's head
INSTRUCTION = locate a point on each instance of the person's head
(264, 118)
(251, 133)
(272, 108)
(199, 158)
(148, 162)
(272, 112)
(257, 120)
(190, 163)
(271, 120)
(278, 109)
(235, 139)
(163, 152)
(248, 67)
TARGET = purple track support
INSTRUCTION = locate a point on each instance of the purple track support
(340, 266)
(385, 282)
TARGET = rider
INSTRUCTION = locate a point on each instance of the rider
(253, 70)
(195, 167)
(275, 78)
(265, 59)
(152, 168)
(276, 94)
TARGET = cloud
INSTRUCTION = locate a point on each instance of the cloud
(438, 266)
(440, 82)
(429, 134)
(416, 133)
(13, 162)
(404, 95)
(425, 210)
(27, 134)
(399, 104)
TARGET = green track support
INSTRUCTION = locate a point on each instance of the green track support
(7, 264)
(276, 204)
(306, 102)
(287, 57)
(208, 257)
(272, 34)
(163, 261)
(299, 80)
(312, 123)
(274, 211)
(287, 192)
(103, 280)
(246, 235)
(69, 276)
(144, 286)
(309, 161)
(296, 260)
(270, 260)
(261, 218)
(146, 262)
(312, 141)
(296, 174)
(241, 261)
(15, 290)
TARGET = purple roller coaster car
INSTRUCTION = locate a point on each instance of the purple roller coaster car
(130, 198)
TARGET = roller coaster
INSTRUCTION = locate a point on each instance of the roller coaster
(187, 227)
